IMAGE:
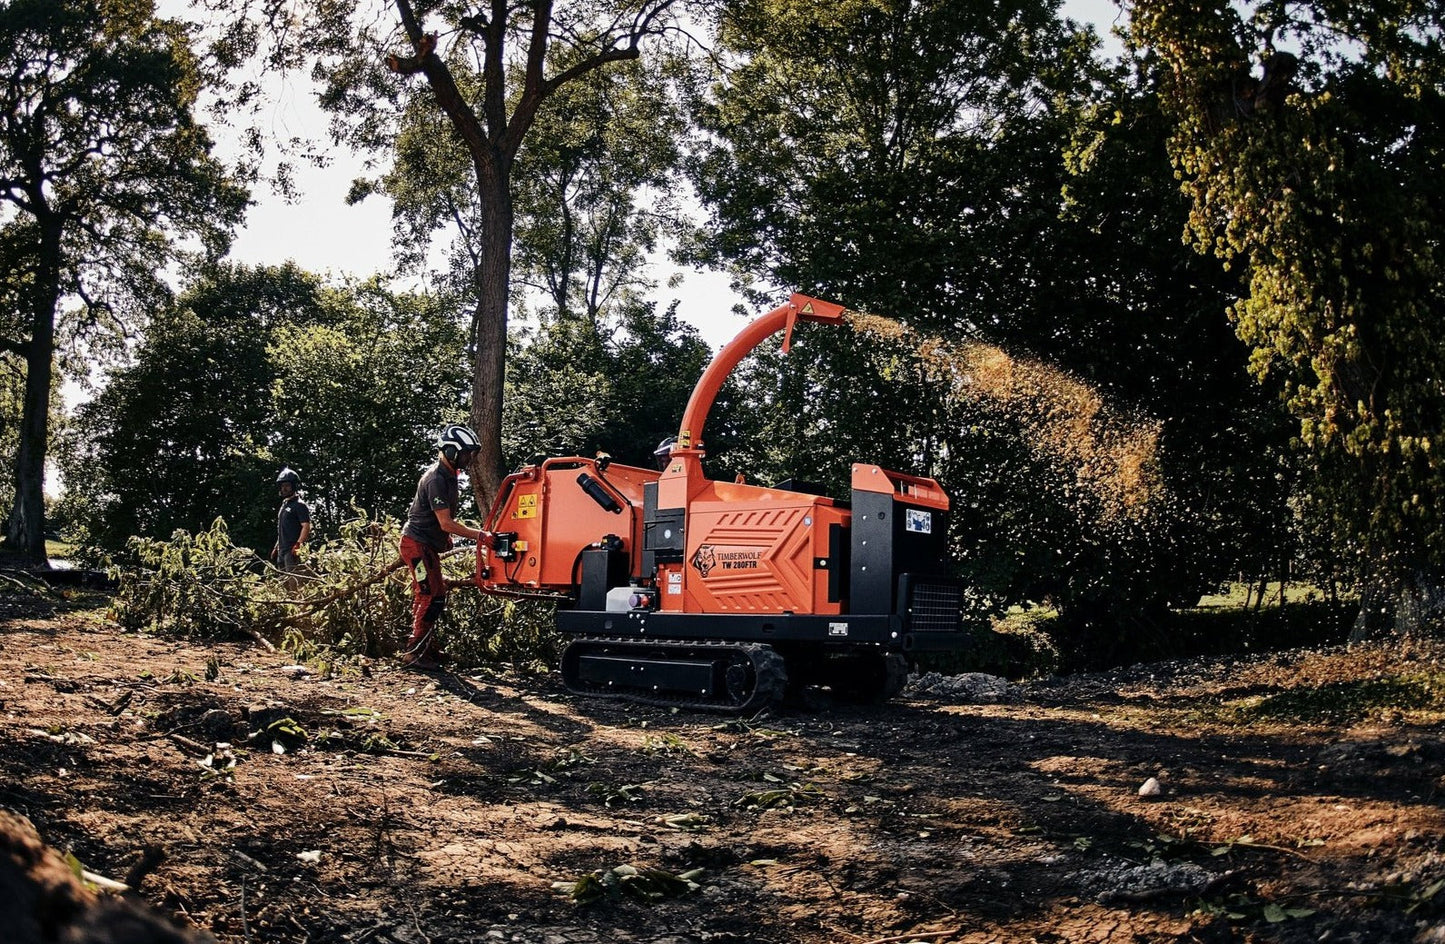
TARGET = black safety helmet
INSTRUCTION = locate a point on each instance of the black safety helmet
(289, 476)
(458, 444)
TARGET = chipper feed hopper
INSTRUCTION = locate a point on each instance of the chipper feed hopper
(681, 590)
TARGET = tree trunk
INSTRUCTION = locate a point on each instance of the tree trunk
(1412, 607)
(489, 327)
(25, 529)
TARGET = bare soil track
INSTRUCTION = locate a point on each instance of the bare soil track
(417, 808)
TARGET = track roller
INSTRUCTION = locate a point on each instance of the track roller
(736, 678)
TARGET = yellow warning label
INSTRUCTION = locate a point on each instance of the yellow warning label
(807, 309)
(526, 507)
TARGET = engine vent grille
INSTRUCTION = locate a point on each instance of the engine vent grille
(934, 607)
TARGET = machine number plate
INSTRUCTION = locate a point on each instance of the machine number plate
(919, 521)
(837, 629)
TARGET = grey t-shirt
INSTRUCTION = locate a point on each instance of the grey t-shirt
(437, 489)
(289, 518)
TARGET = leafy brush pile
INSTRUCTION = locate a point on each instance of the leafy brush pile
(196, 585)
(350, 597)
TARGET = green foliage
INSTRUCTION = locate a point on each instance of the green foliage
(198, 585)
(457, 131)
(358, 397)
(257, 368)
(179, 437)
(885, 153)
(1317, 179)
(105, 173)
(784, 796)
(985, 183)
(487, 630)
(649, 885)
(584, 228)
(205, 586)
(618, 384)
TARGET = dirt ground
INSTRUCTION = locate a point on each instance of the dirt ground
(373, 804)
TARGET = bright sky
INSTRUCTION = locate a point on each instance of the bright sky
(321, 233)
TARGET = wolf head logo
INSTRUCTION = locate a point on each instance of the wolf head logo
(704, 560)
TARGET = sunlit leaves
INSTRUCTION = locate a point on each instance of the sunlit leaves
(1325, 201)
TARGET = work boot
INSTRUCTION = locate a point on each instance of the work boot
(424, 662)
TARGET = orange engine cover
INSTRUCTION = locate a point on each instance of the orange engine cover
(755, 550)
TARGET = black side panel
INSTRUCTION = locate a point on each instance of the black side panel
(892, 537)
(602, 569)
(662, 531)
(663, 537)
(871, 576)
(838, 568)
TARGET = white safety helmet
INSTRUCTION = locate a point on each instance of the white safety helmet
(458, 444)
(663, 453)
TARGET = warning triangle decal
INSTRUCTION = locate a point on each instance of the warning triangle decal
(807, 309)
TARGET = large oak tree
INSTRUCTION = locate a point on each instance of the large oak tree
(102, 169)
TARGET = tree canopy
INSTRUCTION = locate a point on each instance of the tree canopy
(418, 74)
(254, 369)
(104, 174)
(983, 177)
(1314, 173)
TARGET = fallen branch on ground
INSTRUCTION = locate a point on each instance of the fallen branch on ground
(310, 606)
(921, 936)
(33, 587)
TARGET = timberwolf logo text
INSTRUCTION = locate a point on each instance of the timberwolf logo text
(708, 558)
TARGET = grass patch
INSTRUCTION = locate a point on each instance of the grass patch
(1348, 702)
(59, 550)
(1238, 596)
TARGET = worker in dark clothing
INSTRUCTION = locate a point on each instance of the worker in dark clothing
(663, 453)
(430, 523)
(293, 522)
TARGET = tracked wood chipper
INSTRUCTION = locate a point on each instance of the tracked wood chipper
(681, 590)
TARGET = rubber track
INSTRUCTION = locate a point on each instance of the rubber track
(768, 668)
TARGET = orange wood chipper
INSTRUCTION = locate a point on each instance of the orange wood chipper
(680, 590)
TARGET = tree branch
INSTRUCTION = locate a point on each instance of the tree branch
(443, 85)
